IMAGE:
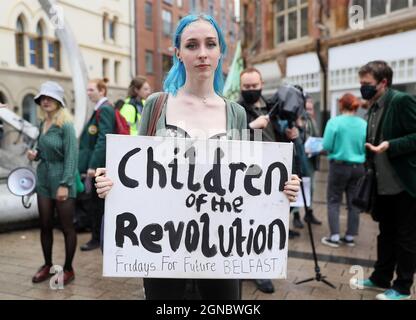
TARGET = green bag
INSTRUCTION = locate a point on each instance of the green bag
(79, 185)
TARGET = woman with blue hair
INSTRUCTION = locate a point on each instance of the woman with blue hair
(192, 106)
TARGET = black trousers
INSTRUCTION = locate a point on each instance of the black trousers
(396, 243)
(97, 212)
(175, 289)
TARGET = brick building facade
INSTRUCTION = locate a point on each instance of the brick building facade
(307, 42)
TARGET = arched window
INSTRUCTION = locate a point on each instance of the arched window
(36, 47)
(20, 42)
(54, 55)
(29, 112)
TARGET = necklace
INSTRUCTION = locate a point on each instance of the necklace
(204, 99)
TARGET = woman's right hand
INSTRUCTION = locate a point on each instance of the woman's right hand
(102, 183)
(31, 154)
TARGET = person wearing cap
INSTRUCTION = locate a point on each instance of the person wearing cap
(57, 154)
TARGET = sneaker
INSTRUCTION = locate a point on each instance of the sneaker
(328, 242)
(349, 243)
(392, 294)
(364, 284)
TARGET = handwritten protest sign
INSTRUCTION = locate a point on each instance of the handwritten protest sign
(182, 208)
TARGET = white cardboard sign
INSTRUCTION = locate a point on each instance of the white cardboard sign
(182, 208)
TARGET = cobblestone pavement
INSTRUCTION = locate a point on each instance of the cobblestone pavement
(20, 256)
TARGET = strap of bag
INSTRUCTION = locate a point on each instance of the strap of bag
(157, 110)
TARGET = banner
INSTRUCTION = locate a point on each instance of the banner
(182, 208)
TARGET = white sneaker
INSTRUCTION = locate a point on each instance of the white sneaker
(328, 242)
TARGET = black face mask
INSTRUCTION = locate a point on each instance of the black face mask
(251, 96)
(368, 91)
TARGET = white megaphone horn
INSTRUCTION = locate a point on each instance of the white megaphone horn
(22, 182)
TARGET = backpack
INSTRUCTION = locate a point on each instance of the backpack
(121, 125)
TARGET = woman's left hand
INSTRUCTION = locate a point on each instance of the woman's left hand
(292, 188)
(62, 193)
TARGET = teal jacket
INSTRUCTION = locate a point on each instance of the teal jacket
(344, 138)
(399, 129)
(93, 141)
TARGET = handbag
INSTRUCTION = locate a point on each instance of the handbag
(365, 192)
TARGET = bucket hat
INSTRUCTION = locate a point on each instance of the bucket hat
(53, 90)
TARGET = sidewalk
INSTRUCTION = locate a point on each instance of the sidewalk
(21, 255)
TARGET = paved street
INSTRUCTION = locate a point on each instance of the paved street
(20, 256)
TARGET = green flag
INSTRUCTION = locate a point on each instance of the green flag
(232, 84)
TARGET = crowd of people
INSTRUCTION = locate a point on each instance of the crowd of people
(193, 105)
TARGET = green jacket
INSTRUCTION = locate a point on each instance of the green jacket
(92, 141)
(132, 116)
(58, 155)
(399, 129)
(236, 119)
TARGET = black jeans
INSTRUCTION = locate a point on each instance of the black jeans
(396, 243)
(343, 178)
(174, 289)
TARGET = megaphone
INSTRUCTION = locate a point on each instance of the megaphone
(22, 182)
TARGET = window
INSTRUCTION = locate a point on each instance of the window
(179, 3)
(211, 8)
(54, 55)
(291, 20)
(167, 22)
(149, 61)
(224, 17)
(379, 8)
(192, 6)
(105, 22)
(36, 48)
(148, 12)
(105, 68)
(168, 1)
(112, 29)
(30, 109)
(166, 63)
(117, 65)
(20, 42)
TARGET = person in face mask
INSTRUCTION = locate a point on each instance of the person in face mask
(391, 151)
(251, 84)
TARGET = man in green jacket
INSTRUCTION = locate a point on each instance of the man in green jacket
(92, 152)
(391, 140)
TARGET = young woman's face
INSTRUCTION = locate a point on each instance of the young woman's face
(48, 104)
(93, 93)
(200, 50)
(144, 91)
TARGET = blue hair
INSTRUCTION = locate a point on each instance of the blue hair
(176, 77)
